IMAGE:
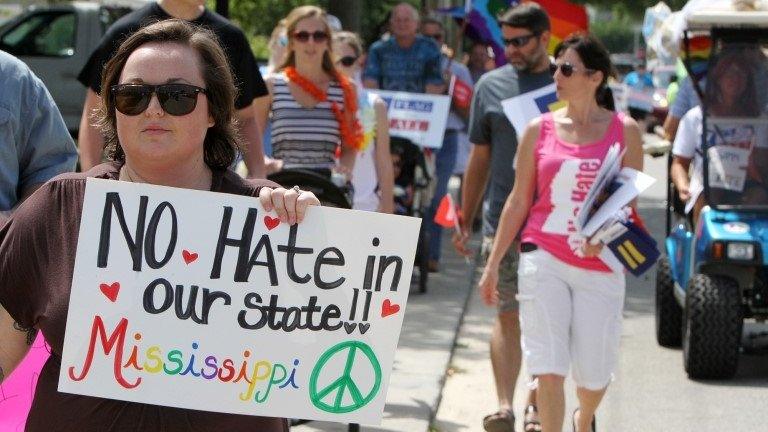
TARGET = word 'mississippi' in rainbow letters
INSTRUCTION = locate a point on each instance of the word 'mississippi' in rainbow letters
(262, 373)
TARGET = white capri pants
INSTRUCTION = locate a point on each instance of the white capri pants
(569, 316)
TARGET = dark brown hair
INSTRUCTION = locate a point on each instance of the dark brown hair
(595, 56)
(221, 140)
(528, 15)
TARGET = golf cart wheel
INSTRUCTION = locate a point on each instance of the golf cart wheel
(669, 314)
(712, 327)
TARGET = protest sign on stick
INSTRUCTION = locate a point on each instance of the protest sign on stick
(202, 300)
(419, 117)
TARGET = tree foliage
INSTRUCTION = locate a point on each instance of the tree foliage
(257, 18)
(635, 8)
(617, 34)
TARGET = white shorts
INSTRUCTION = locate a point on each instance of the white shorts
(569, 316)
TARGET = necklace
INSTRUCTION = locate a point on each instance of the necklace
(350, 129)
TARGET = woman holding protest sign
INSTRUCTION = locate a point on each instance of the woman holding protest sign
(313, 107)
(167, 114)
(373, 176)
(570, 299)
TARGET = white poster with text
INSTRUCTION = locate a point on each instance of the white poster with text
(202, 300)
(419, 117)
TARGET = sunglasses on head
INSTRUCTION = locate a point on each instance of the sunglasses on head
(567, 69)
(175, 99)
(347, 61)
(304, 36)
(519, 41)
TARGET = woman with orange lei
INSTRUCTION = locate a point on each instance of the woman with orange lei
(313, 107)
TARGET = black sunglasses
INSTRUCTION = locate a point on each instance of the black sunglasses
(175, 99)
(348, 61)
(566, 69)
(318, 36)
(437, 36)
(519, 41)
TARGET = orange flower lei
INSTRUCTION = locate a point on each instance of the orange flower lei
(350, 129)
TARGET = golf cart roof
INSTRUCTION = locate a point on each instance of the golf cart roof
(708, 19)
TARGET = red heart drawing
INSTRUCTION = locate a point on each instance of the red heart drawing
(188, 256)
(110, 290)
(271, 222)
(387, 308)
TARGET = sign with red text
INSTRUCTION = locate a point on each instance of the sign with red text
(204, 301)
(419, 117)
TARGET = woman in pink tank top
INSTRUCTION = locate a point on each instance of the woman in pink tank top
(570, 298)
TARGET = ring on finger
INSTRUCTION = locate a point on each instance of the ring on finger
(297, 189)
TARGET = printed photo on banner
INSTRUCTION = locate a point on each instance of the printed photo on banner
(201, 300)
(419, 117)
(521, 109)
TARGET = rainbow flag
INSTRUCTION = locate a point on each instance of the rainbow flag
(482, 21)
(565, 18)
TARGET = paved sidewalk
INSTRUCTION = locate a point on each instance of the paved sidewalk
(431, 324)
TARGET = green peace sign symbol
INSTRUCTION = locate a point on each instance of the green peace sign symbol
(344, 383)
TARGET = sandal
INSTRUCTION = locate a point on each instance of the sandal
(531, 421)
(594, 421)
(501, 421)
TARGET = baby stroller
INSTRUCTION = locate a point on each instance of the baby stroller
(328, 193)
(412, 195)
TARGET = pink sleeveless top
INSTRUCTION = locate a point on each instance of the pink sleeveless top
(564, 174)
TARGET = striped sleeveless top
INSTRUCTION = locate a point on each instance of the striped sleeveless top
(304, 137)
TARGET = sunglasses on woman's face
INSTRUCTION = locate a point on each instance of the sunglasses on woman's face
(304, 36)
(567, 69)
(175, 99)
(348, 61)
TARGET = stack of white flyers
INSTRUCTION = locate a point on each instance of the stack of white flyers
(614, 188)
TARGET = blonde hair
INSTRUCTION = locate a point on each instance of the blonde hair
(351, 39)
(292, 20)
(274, 45)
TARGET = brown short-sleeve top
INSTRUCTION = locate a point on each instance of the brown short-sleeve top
(37, 259)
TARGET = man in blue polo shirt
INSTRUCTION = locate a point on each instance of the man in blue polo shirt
(405, 61)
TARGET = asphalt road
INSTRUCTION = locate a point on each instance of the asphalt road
(651, 391)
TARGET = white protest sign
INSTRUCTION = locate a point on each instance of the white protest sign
(640, 99)
(520, 110)
(728, 167)
(620, 94)
(419, 117)
(202, 300)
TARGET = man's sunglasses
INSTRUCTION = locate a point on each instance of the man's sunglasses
(519, 41)
(348, 61)
(175, 99)
(566, 69)
(304, 36)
